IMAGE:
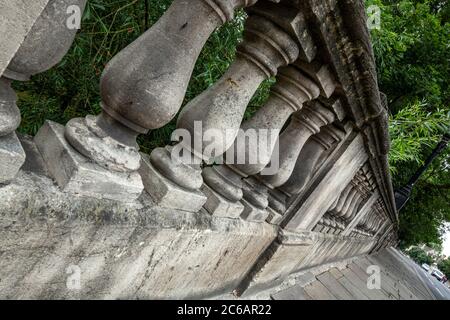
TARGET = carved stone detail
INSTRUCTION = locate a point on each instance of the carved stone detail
(220, 109)
(44, 46)
(309, 158)
(303, 125)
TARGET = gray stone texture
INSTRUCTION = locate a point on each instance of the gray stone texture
(46, 43)
(166, 193)
(9, 112)
(16, 20)
(12, 157)
(132, 250)
(323, 195)
(77, 174)
(219, 206)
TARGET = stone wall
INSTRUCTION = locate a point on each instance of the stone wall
(81, 200)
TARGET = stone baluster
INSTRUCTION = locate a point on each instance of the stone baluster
(362, 224)
(269, 43)
(303, 125)
(350, 199)
(44, 46)
(343, 198)
(142, 88)
(338, 209)
(309, 158)
(334, 204)
(375, 223)
(292, 89)
(352, 207)
(326, 223)
(371, 225)
(319, 226)
(12, 155)
(371, 222)
(363, 188)
(379, 207)
(378, 226)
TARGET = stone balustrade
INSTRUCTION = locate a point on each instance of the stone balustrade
(31, 58)
(178, 223)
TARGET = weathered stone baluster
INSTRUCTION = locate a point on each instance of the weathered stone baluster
(44, 46)
(377, 225)
(292, 89)
(354, 207)
(303, 125)
(331, 212)
(12, 155)
(309, 158)
(288, 95)
(372, 225)
(269, 43)
(142, 88)
(362, 224)
(364, 191)
(312, 155)
(319, 226)
(350, 199)
(371, 221)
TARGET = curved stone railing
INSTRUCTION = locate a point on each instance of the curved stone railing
(318, 189)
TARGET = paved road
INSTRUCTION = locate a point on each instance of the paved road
(401, 279)
(439, 289)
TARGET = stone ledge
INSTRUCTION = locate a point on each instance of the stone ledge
(134, 250)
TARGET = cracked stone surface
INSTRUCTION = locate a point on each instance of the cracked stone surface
(130, 250)
(12, 157)
(77, 174)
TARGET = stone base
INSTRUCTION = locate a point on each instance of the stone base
(218, 206)
(167, 194)
(123, 250)
(12, 157)
(252, 213)
(76, 174)
(279, 260)
(274, 216)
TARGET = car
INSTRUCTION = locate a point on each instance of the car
(425, 267)
(437, 274)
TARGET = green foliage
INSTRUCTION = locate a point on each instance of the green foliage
(444, 266)
(412, 128)
(420, 256)
(411, 50)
